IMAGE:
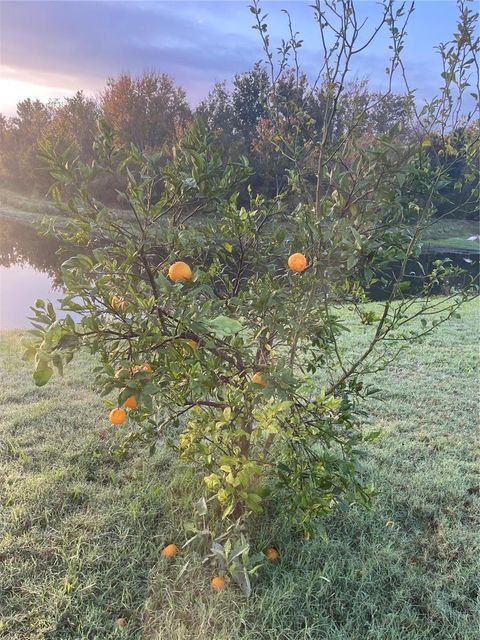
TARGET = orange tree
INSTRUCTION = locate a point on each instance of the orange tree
(217, 320)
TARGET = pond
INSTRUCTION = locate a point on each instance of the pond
(29, 270)
(30, 267)
(20, 286)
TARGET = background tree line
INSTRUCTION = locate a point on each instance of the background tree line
(153, 113)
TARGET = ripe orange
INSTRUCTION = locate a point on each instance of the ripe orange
(169, 551)
(118, 303)
(179, 271)
(297, 262)
(272, 554)
(130, 402)
(258, 379)
(217, 583)
(146, 366)
(117, 416)
(193, 344)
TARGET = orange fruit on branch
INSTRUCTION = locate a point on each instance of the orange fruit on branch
(117, 416)
(297, 262)
(130, 402)
(257, 378)
(118, 303)
(179, 271)
(146, 366)
(272, 554)
(217, 583)
(169, 551)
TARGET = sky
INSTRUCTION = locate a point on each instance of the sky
(50, 49)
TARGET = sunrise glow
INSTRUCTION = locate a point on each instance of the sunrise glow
(13, 90)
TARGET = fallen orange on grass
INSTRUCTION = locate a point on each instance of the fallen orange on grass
(217, 583)
(297, 262)
(130, 402)
(179, 271)
(117, 416)
(272, 554)
(169, 551)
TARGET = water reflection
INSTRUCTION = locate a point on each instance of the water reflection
(21, 244)
(29, 269)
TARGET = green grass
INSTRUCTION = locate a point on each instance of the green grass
(24, 208)
(457, 243)
(30, 209)
(81, 530)
(453, 234)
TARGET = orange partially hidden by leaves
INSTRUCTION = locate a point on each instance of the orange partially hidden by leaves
(130, 402)
(272, 554)
(146, 366)
(179, 271)
(118, 303)
(297, 262)
(217, 583)
(117, 416)
(258, 379)
(169, 551)
(193, 344)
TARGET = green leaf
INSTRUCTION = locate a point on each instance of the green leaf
(212, 481)
(240, 549)
(58, 363)
(240, 576)
(42, 375)
(218, 550)
(352, 260)
(223, 326)
(53, 335)
(201, 507)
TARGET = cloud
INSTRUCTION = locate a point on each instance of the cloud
(77, 45)
(88, 41)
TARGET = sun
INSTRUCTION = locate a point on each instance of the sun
(14, 89)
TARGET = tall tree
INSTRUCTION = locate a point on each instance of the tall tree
(249, 96)
(74, 121)
(147, 110)
(20, 166)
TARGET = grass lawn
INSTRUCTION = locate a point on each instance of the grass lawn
(22, 208)
(453, 234)
(81, 531)
(32, 209)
